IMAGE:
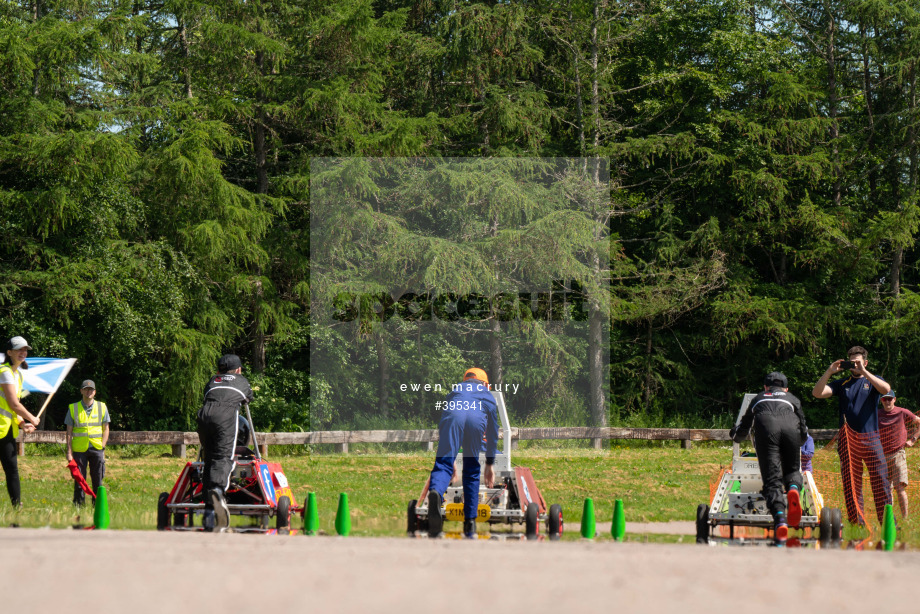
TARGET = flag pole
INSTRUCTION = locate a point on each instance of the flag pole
(38, 416)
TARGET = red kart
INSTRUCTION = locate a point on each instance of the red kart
(258, 490)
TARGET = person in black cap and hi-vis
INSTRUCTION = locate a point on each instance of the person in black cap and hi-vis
(87, 423)
(779, 432)
(217, 425)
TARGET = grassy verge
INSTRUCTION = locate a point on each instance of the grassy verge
(658, 483)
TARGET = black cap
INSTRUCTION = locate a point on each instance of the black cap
(776, 378)
(228, 362)
(88, 383)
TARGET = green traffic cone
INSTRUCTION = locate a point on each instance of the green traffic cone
(588, 529)
(618, 526)
(311, 516)
(343, 516)
(889, 530)
(101, 513)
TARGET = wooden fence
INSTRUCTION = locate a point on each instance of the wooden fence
(341, 439)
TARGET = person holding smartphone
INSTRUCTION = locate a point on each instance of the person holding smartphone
(859, 443)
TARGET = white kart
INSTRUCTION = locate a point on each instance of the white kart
(738, 503)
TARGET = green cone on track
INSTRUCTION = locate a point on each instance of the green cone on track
(343, 516)
(618, 526)
(889, 530)
(311, 516)
(588, 529)
(101, 513)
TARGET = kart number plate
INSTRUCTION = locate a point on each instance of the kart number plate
(454, 511)
(282, 481)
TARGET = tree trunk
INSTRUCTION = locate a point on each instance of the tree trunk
(36, 14)
(495, 336)
(258, 337)
(383, 373)
(186, 53)
(579, 103)
(595, 88)
(597, 369)
(259, 151)
(647, 393)
(495, 353)
(831, 60)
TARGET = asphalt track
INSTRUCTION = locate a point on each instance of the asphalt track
(47, 570)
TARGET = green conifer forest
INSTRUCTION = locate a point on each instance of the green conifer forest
(732, 183)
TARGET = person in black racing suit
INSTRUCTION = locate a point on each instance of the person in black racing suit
(218, 421)
(779, 432)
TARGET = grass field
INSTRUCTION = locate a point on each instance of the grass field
(657, 482)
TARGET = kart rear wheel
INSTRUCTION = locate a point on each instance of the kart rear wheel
(825, 525)
(554, 522)
(162, 512)
(531, 524)
(836, 524)
(411, 519)
(702, 524)
(283, 513)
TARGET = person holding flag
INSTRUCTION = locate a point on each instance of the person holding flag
(87, 423)
(13, 412)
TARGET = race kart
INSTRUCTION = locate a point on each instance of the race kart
(258, 490)
(738, 511)
(514, 500)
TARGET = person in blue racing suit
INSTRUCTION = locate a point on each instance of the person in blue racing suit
(469, 420)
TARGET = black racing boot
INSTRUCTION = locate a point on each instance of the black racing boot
(208, 521)
(221, 512)
(435, 520)
(469, 529)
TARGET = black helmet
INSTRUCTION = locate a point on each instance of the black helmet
(243, 432)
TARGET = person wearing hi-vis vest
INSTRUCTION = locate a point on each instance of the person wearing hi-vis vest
(87, 423)
(12, 412)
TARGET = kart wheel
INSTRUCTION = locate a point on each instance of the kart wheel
(825, 525)
(702, 524)
(411, 519)
(283, 513)
(554, 522)
(162, 512)
(530, 520)
(836, 524)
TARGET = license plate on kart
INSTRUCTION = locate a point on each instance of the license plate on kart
(454, 511)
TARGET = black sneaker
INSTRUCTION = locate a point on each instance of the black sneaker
(221, 512)
(207, 522)
(469, 529)
(435, 520)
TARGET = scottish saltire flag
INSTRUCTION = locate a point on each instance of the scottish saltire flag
(45, 374)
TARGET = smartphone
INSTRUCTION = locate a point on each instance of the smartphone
(847, 364)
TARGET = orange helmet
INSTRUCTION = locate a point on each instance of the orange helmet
(476, 373)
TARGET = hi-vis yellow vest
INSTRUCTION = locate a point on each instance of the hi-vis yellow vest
(8, 417)
(87, 427)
